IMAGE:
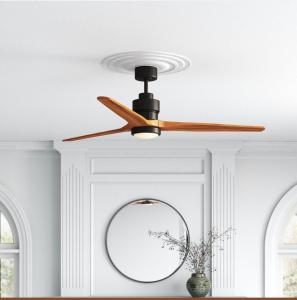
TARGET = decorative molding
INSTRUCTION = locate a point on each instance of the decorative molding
(165, 62)
(78, 162)
(245, 148)
(30, 146)
(75, 262)
(157, 178)
(200, 180)
(133, 147)
(25, 240)
(222, 203)
(150, 165)
(145, 152)
(72, 210)
(268, 150)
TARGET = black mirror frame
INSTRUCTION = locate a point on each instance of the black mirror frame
(187, 239)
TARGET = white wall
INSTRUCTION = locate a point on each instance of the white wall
(261, 181)
(97, 181)
(115, 174)
(34, 179)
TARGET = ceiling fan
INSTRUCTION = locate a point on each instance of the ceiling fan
(142, 120)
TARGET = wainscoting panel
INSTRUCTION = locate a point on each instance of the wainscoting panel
(174, 177)
(151, 165)
(96, 181)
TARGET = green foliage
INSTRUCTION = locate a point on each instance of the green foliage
(7, 277)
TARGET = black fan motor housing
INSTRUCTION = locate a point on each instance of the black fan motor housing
(147, 106)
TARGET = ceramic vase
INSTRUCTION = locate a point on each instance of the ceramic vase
(198, 285)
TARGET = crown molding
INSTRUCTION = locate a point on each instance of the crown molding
(268, 149)
(124, 147)
(158, 145)
(161, 147)
(27, 146)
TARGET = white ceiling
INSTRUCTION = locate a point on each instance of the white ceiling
(243, 53)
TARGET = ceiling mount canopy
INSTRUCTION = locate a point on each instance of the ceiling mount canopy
(143, 119)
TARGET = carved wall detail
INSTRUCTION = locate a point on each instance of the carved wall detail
(223, 171)
(72, 212)
(223, 217)
(82, 165)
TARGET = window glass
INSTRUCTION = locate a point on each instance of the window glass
(289, 276)
(9, 256)
(290, 236)
(6, 232)
(7, 276)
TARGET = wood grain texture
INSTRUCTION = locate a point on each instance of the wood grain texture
(136, 120)
(92, 135)
(190, 126)
(133, 118)
(140, 298)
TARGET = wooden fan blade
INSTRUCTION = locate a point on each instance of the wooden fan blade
(92, 135)
(123, 111)
(188, 126)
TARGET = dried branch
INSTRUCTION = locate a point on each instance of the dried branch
(198, 256)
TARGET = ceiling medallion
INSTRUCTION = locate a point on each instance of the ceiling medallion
(165, 62)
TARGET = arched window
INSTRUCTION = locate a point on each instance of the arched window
(288, 252)
(281, 248)
(15, 248)
(9, 255)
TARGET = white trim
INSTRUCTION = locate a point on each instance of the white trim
(274, 229)
(268, 149)
(3, 251)
(133, 146)
(222, 209)
(112, 178)
(37, 146)
(248, 148)
(138, 147)
(75, 226)
(25, 240)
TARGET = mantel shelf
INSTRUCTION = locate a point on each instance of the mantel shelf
(138, 298)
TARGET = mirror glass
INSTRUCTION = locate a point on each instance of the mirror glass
(133, 247)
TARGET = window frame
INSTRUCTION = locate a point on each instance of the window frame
(15, 210)
(274, 249)
(12, 250)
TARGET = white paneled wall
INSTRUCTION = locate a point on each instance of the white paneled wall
(223, 183)
(99, 178)
(96, 182)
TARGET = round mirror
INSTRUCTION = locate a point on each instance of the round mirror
(135, 246)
